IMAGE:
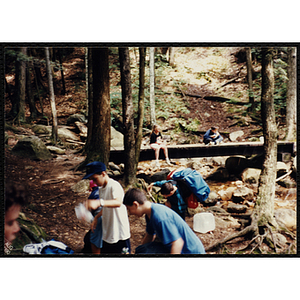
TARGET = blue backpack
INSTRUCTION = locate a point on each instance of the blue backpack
(194, 181)
(50, 247)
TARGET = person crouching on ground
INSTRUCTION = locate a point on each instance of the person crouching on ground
(212, 136)
(156, 143)
(175, 236)
(115, 223)
(174, 195)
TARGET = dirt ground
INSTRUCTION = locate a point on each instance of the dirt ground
(52, 201)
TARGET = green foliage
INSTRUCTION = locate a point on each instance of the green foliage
(190, 125)
(204, 75)
(17, 55)
(280, 88)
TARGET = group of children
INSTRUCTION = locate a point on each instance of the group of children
(166, 229)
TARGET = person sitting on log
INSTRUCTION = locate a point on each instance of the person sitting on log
(156, 143)
(212, 136)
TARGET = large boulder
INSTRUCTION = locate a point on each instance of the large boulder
(63, 132)
(281, 168)
(42, 129)
(286, 218)
(226, 195)
(30, 233)
(221, 174)
(81, 186)
(56, 150)
(159, 176)
(76, 117)
(241, 194)
(233, 136)
(236, 208)
(236, 164)
(116, 138)
(212, 199)
(287, 183)
(32, 147)
(251, 175)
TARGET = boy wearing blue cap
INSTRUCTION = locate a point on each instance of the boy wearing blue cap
(115, 223)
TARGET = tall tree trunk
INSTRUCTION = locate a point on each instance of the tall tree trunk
(263, 213)
(86, 60)
(139, 133)
(8, 90)
(264, 208)
(128, 117)
(38, 91)
(291, 101)
(63, 91)
(54, 135)
(33, 110)
(250, 82)
(38, 74)
(22, 87)
(37, 96)
(152, 92)
(98, 140)
(16, 95)
(89, 99)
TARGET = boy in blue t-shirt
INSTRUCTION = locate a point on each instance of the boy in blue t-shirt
(212, 136)
(175, 236)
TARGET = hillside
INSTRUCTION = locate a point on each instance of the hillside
(211, 74)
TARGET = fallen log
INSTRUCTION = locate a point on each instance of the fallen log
(216, 98)
(233, 80)
(75, 142)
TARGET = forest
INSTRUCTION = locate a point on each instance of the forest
(185, 90)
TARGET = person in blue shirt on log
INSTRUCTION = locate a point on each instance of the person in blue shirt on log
(166, 231)
(212, 136)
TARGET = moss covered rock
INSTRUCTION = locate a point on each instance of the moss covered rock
(32, 147)
(30, 233)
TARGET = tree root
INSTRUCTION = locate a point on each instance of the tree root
(257, 240)
(249, 229)
(145, 187)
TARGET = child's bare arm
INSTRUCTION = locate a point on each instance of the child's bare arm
(177, 246)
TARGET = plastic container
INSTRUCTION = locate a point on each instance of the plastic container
(83, 214)
(204, 222)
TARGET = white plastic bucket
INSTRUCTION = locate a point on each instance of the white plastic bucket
(204, 222)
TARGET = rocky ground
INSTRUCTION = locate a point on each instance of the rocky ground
(55, 189)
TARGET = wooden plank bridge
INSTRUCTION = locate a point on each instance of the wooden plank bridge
(201, 150)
